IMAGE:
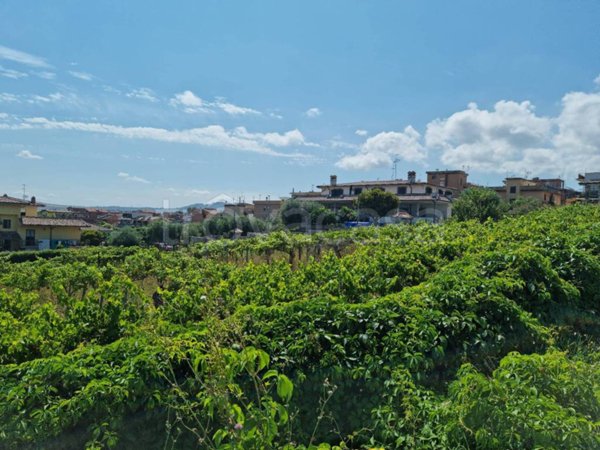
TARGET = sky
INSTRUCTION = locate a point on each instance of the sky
(142, 102)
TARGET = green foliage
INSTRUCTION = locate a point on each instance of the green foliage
(297, 214)
(478, 204)
(125, 237)
(376, 201)
(523, 205)
(463, 335)
(92, 237)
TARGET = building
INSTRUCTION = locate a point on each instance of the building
(549, 191)
(21, 228)
(590, 183)
(199, 215)
(429, 200)
(238, 209)
(266, 209)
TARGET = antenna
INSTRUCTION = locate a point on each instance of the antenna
(527, 174)
(24, 195)
(395, 169)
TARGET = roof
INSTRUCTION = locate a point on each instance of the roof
(15, 201)
(49, 222)
(371, 183)
(590, 177)
(446, 171)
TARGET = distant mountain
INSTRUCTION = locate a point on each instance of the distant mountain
(217, 205)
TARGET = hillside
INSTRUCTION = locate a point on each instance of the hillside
(462, 335)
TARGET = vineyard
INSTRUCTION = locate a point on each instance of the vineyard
(458, 336)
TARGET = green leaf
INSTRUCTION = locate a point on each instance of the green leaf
(285, 388)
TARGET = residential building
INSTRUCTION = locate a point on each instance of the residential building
(198, 215)
(549, 191)
(238, 209)
(21, 228)
(429, 200)
(267, 209)
(590, 183)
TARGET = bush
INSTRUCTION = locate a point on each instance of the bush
(126, 237)
(92, 237)
(478, 204)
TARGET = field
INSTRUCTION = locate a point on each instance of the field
(463, 335)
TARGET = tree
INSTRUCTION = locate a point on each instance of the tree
(346, 214)
(479, 204)
(378, 201)
(295, 213)
(92, 237)
(126, 237)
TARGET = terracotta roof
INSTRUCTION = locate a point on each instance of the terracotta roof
(48, 222)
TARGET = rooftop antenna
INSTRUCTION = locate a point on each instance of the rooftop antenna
(527, 174)
(395, 169)
(24, 195)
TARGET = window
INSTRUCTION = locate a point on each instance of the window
(6, 224)
(337, 192)
(513, 189)
(357, 191)
(29, 238)
(428, 190)
(440, 192)
(401, 190)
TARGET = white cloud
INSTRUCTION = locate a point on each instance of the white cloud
(46, 75)
(578, 137)
(81, 75)
(22, 57)
(361, 132)
(234, 110)
(190, 102)
(129, 177)
(490, 141)
(143, 94)
(51, 98)
(10, 73)
(26, 154)
(597, 80)
(5, 97)
(313, 112)
(213, 136)
(381, 150)
(287, 139)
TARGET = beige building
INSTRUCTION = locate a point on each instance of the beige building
(266, 209)
(549, 191)
(429, 200)
(21, 228)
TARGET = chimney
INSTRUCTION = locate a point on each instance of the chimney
(412, 177)
(33, 200)
(333, 180)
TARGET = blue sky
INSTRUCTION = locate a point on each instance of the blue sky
(136, 102)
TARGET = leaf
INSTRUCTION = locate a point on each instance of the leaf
(285, 388)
